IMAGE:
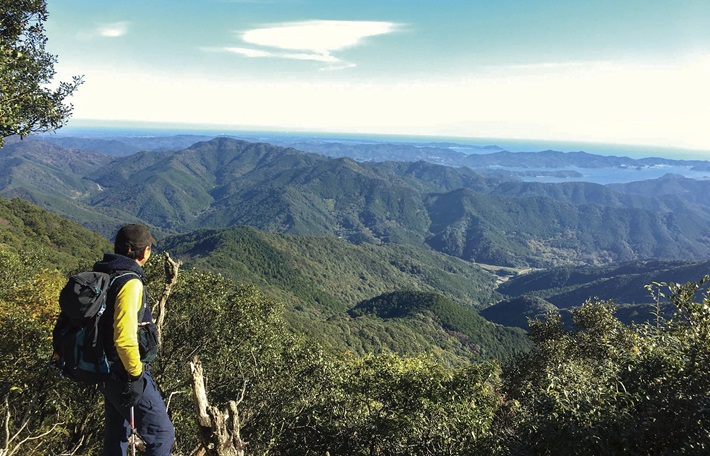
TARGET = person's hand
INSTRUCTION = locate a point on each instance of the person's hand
(133, 391)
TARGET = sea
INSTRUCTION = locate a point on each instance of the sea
(464, 145)
(607, 175)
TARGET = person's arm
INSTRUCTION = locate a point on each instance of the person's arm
(125, 326)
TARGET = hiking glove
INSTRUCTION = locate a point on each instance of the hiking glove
(132, 391)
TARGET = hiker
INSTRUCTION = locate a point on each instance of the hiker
(130, 384)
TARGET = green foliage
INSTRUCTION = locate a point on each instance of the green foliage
(251, 256)
(299, 398)
(318, 269)
(568, 388)
(26, 103)
(35, 402)
(239, 336)
(598, 388)
(604, 388)
(517, 311)
(59, 242)
(391, 405)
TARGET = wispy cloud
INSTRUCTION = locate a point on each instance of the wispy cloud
(248, 52)
(251, 52)
(310, 40)
(112, 30)
(106, 30)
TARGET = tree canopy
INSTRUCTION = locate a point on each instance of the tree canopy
(27, 101)
(600, 387)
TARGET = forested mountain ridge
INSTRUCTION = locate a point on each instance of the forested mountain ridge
(673, 188)
(59, 180)
(622, 282)
(322, 280)
(379, 150)
(125, 144)
(225, 182)
(503, 229)
(346, 272)
(44, 167)
(322, 276)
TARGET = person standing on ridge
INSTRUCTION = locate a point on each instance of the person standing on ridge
(130, 384)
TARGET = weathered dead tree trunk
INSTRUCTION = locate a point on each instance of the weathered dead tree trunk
(171, 275)
(220, 429)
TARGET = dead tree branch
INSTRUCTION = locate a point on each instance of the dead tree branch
(171, 275)
(220, 429)
(10, 448)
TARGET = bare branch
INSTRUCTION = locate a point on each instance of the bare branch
(76, 448)
(171, 275)
(170, 398)
(35, 437)
(8, 439)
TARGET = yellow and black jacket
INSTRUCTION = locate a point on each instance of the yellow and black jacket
(127, 307)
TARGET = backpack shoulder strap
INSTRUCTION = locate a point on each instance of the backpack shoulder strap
(126, 274)
(119, 274)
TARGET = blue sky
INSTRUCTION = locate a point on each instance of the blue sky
(626, 71)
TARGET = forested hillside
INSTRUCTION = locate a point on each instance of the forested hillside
(563, 288)
(346, 272)
(612, 389)
(623, 282)
(320, 279)
(53, 240)
(225, 182)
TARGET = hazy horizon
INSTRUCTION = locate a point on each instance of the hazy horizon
(103, 128)
(595, 72)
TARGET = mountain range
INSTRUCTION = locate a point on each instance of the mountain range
(402, 254)
(458, 211)
(445, 153)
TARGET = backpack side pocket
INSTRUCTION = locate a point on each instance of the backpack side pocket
(148, 341)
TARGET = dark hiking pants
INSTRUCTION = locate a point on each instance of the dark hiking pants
(151, 420)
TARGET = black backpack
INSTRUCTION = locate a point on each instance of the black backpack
(78, 337)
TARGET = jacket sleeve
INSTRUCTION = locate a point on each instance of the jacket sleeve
(125, 326)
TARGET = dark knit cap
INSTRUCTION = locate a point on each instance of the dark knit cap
(133, 237)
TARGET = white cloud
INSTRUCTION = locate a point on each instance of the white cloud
(314, 40)
(317, 36)
(113, 30)
(333, 62)
(249, 52)
(107, 30)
